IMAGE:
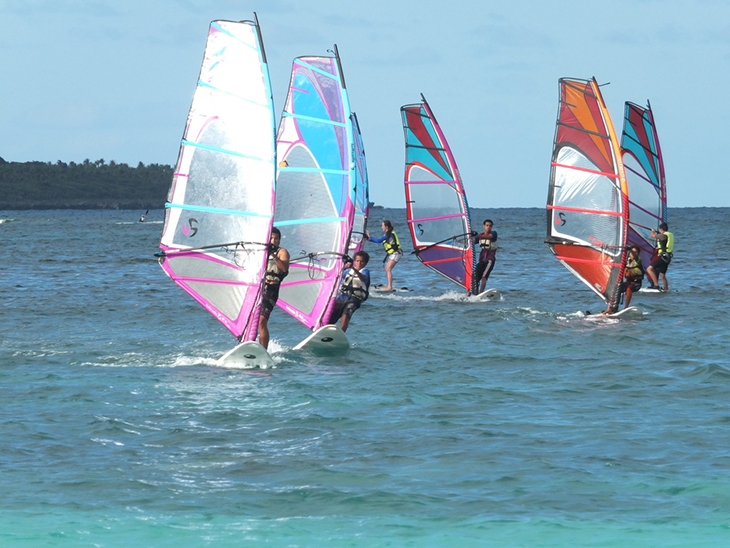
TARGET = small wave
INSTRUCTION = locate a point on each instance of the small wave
(712, 371)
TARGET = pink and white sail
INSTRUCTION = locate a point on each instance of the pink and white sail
(220, 206)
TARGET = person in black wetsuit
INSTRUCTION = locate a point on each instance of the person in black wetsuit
(487, 241)
(277, 269)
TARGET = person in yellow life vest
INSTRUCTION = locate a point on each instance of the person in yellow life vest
(393, 251)
(277, 269)
(354, 290)
(664, 251)
(633, 275)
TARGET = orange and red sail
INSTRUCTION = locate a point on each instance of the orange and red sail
(587, 197)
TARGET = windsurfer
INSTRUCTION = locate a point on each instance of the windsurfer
(487, 241)
(353, 291)
(277, 269)
(393, 251)
(633, 275)
(664, 251)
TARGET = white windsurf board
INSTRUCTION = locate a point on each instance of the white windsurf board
(647, 290)
(381, 287)
(630, 313)
(489, 295)
(247, 354)
(328, 338)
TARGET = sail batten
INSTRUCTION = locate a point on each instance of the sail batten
(436, 206)
(221, 198)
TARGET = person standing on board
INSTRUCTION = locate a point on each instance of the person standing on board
(664, 250)
(277, 269)
(393, 251)
(487, 241)
(353, 291)
(633, 274)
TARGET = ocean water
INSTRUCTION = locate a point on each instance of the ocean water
(513, 423)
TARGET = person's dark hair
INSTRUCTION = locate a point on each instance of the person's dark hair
(663, 226)
(364, 254)
(388, 225)
(634, 248)
(276, 231)
(487, 221)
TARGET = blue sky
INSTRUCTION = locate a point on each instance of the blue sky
(114, 80)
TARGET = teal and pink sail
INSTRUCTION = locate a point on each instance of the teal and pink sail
(642, 158)
(316, 187)
(436, 205)
(220, 206)
(362, 195)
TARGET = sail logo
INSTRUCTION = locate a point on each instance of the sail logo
(560, 219)
(420, 229)
(190, 228)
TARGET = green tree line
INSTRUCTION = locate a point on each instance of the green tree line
(85, 185)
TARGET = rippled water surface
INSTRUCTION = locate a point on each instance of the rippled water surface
(451, 422)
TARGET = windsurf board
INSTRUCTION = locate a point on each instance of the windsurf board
(382, 289)
(247, 354)
(489, 295)
(648, 290)
(328, 338)
(630, 313)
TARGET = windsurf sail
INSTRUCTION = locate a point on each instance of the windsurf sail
(219, 209)
(587, 206)
(316, 181)
(436, 205)
(642, 158)
(362, 195)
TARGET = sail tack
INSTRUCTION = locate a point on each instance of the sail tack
(316, 182)
(436, 205)
(220, 206)
(587, 221)
(642, 158)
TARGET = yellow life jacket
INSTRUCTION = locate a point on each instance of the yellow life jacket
(634, 268)
(392, 243)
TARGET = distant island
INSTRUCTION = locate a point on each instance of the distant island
(85, 185)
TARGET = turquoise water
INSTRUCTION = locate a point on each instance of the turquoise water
(450, 423)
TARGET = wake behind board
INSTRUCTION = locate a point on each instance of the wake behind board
(248, 354)
(328, 339)
(489, 295)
